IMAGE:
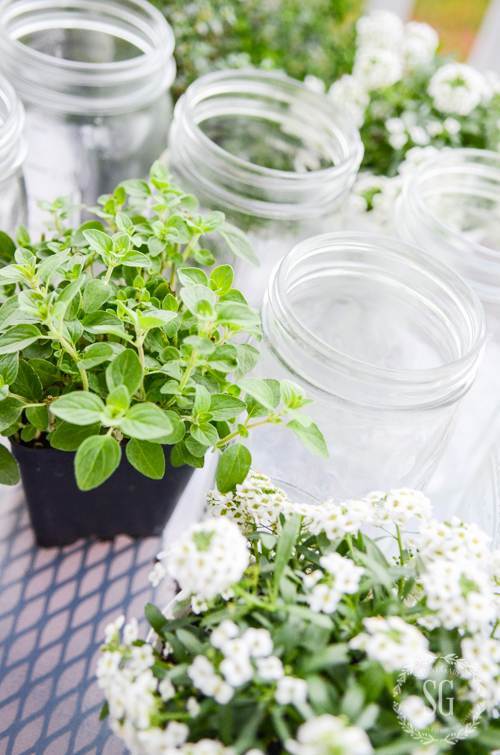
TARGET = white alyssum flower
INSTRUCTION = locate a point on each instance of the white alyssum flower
(339, 519)
(193, 707)
(377, 68)
(291, 691)
(451, 126)
(204, 677)
(315, 84)
(480, 664)
(112, 630)
(157, 574)
(401, 506)
(259, 642)
(209, 558)
(222, 634)
(416, 712)
(457, 88)
(237, 669)
(256, 502)
(166, 689)
(350, 97)
(131, 631)
(206, 747)
(328, 734)
(454, 540)
(270, 669)
(379, 28)
(345, 573)
(461, 594)
(395, 645)
(420, 43)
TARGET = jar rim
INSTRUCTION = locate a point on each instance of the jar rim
(440, 382)
(188, 139)
(454, 160)
(12, 143)
(51, 80)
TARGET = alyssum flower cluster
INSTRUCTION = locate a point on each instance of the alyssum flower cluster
(403, 95)
(294, 623)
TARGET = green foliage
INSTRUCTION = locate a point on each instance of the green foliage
(314, 37)
(113, 336)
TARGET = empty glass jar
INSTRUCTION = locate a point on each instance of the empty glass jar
(386, 342)
(274, 156)
(450, 205)
(12, 153)
(94, 78)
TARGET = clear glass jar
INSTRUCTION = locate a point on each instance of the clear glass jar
(450, 205)
(274, 156)
(386, 342)
(94, 78)
(12, 154)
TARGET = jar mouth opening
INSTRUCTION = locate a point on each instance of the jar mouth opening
(203, 94)
(49, 46)
(462, 176)
(263, 144)
(335, 252)
(12, 145)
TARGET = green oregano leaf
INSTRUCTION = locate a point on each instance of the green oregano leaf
(96, 460)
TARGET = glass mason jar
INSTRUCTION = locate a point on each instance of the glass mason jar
(12, 153)
(94, 78)
(274, 156)
(450, 205)
(386, 342)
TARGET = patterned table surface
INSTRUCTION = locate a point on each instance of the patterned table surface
(54, 605)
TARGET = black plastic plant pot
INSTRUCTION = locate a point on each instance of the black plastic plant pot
(126, 504)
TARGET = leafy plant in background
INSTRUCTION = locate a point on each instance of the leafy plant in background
(301, 38)
(403, 95)
(113, 337)
(295, 632)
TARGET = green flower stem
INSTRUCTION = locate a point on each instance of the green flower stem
(109, 273)
(248, 426)
(69, 349)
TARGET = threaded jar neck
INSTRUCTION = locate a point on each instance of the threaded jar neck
(263, 144)
(372, 321)
(86, 56)
(12, 145)
(450, 205)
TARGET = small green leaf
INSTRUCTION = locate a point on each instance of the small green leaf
(51, 265)
(46, 371)
(78, 408)
(157, 621)
(265, 392)
(146, 422)
(202, 400)
(148, 458)
(18, 338)
(135, 259)
(238, 243)
(7, 248)
(95, 294)
(38, 416)
(205, 433)
(232, 313)
(224, 407)
(155, 318)
(221, 278)
(27, 383)
(96, 460)
(103, 323)
(9, 471)
(99, 242)
(9, 365)
(233, 467)
(199, 300)
(310, 435)
(97, 353)
(118, 399)
(125, 369)
(284, 550)
(10, 410)
(67, 437)
(190, 275)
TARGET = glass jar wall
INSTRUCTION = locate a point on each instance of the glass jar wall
(94, 78)
(386, 342)
(12, 153)
(274, 156)
(451, 206)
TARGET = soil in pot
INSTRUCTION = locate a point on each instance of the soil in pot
(126, 504)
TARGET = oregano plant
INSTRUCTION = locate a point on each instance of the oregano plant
(123, 335)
